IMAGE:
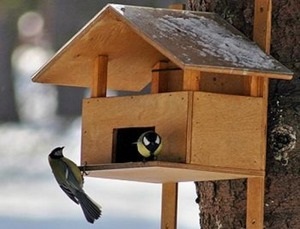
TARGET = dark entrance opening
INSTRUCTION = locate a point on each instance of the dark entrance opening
(124, 147)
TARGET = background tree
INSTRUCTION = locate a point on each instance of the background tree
(222, 203)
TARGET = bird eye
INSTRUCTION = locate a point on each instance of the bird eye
(146, 142)
(157, 141)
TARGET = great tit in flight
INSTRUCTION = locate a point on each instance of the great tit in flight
(70, 179)
(149, 145)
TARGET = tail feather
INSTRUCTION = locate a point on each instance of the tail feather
(90, 209)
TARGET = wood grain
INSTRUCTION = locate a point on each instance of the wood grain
(227, 131)
(167, 112)
(167, 172)
(255, 202)
(191, 80)
(159, 81)
(262, 24)
(99, 82)
(169, 206)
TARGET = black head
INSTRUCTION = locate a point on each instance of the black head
(151, 140)
(57, 153)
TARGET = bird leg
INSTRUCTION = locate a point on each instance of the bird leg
(84, 172)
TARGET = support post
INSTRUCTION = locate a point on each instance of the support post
(99, 80)
(159, 78)
(255, 202)
(169, 190)
(259, 87)
(262, 24)
(262, 36)
(191, 80)
(169, 206)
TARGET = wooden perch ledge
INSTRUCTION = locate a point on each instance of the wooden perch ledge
(164, 172)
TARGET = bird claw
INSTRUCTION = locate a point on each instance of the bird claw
(84, 172)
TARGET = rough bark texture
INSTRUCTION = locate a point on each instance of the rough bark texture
(223, 204)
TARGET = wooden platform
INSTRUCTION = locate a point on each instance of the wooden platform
(166, 172)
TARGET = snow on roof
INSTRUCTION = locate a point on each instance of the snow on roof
(135, 38)
(198, 38)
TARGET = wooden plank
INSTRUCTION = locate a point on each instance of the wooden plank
(223, 83)
(101, 115)
(175, 80)
(169, 206)
(99, 82)
(189, 130)
(255, 202)
(259, 86)
(167, 172)
(256, 86)
(227, 131)
(262, 24)
(166, 77)
(177, 6)
(191, 80)
(237, 71)
(159, 78)
(262, 36)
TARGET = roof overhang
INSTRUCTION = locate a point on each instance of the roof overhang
(136, 38)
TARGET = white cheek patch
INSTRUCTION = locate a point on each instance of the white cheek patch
(157, 141)
(146, 142)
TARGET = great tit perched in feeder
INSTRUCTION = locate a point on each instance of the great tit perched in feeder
(149, 145)
(70, 179)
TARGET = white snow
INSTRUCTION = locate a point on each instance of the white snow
(200, 39)
(208, 38)
(119, 8)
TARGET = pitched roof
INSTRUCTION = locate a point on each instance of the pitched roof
(135, 38)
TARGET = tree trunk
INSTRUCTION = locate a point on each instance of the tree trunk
(223, 203)
(8, 110)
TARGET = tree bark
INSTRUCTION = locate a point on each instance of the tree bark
(8, 110)
(223, 203)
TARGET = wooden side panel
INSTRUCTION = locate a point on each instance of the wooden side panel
(224, 83)
(169, 206)
(166, 111)
(227, 131)
(175, 80)
(166, 77)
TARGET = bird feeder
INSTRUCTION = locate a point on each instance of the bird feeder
(208, 99)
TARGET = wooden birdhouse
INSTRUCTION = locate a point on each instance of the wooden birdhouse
(208, 99)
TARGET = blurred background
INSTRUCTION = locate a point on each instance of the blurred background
(35, 118)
